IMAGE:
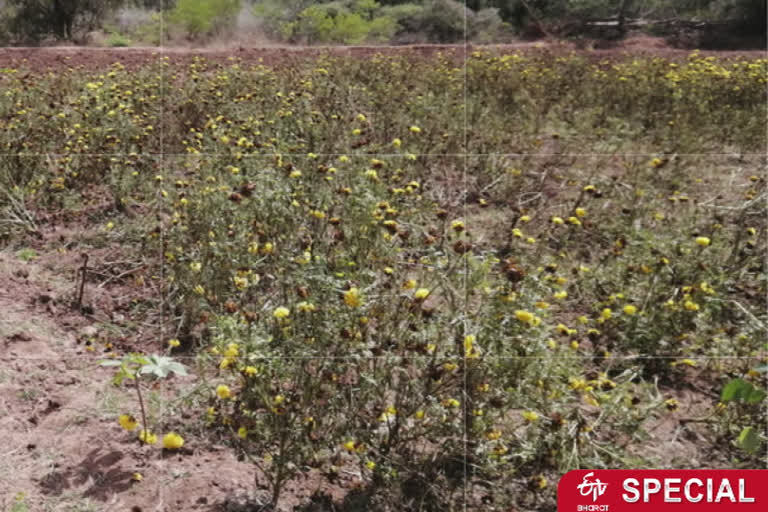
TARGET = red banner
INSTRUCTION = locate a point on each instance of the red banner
(663, 490)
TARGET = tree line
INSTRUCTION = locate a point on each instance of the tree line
(390, 21)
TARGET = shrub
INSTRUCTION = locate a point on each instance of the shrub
(71, 20)
(200, 19)
(117, 40)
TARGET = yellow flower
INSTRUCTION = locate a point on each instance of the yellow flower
(199, 290)
(241, 283)
(397, 143)
(242, 432)
(457, 226)
(525, 218)
(147, 437)
(172, 441)
(370, 465)
(703, 241)
(352, 298)
(525, 317)
(409, 284)
(127, 421)
(590, 400)
(415, 129)
(606, 314)
(691, 306)
(223, 391)
(137, 477)
(580, 212)
(421, 294)
(557, 220)
(629, 309)
(469, 346)
(493, 435)
(281, 312)
(250, 371)
(451, 403)
(530, 416)
(560, 295)
(671, 404)
(306, 307)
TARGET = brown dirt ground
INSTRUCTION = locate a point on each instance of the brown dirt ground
(51, 58)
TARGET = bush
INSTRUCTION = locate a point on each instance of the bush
(117, 40)
(338, 22)
(201, 19)
(33, 21)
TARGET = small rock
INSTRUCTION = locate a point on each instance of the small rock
(89, 331)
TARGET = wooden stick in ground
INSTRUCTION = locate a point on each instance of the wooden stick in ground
(82, 272)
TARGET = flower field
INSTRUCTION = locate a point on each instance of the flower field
(398, 282)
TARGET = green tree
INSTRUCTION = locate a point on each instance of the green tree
(204, 18)
(63, 19)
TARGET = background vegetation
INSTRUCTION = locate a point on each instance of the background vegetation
(692, 22)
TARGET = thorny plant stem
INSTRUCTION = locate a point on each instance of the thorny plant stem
(141, 405)
(83, 270)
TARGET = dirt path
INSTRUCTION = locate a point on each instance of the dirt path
(41, 59)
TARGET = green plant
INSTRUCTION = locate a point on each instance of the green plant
(749, 400)
(26, 254)
(117, 40)
(132, 367)
(204, 18)
(19, 503)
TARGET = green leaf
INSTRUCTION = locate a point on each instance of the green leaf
(162, 366)
(736, 389)
(755, 396)
(739, 389)
(748, 440)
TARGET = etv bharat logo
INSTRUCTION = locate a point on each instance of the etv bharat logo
(596, 488)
